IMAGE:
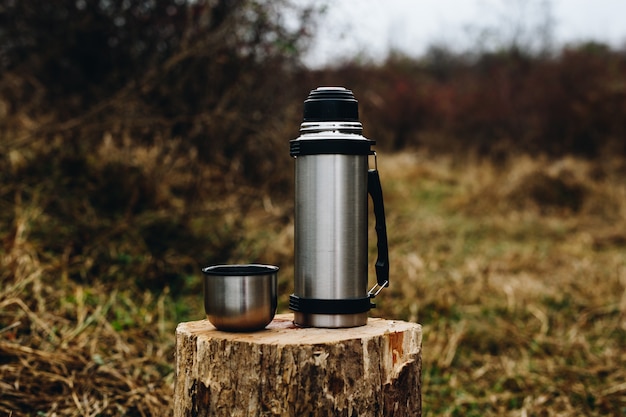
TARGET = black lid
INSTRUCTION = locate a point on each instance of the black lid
(331, 104)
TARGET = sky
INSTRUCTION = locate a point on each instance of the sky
(370, 28)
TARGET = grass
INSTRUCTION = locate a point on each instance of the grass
(521, 294)
(523, 304)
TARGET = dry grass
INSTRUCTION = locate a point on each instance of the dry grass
(517, 273)
(71, 349)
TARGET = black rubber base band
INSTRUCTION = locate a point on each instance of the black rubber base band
(325, 306)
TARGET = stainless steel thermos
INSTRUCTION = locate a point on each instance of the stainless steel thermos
(332, 182)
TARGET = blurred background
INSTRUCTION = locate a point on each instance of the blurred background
(372, 28)
(143, 139)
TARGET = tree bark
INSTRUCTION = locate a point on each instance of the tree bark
(284, 370)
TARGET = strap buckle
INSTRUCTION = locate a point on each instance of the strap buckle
(376, 289)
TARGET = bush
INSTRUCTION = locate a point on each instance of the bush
(509, 100)
(127, 124)
(210, 72)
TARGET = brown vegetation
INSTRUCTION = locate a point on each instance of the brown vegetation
(571, 102)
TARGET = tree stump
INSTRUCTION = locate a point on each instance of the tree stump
(284, 370)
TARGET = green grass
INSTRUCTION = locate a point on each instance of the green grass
(521, 314)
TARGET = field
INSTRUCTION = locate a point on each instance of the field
(516, 270)
(518, 276)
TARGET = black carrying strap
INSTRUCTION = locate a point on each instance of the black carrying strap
(375, 189)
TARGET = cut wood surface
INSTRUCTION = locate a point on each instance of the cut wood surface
(284, 370)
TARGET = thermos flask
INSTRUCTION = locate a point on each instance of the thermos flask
(332, 182)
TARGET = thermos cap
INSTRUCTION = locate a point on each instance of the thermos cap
(331, 104)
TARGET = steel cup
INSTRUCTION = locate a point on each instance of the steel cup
(240, 298)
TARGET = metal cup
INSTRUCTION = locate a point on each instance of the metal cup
(240, 298)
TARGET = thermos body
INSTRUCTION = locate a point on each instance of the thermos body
(332, 183)
(331, 234)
